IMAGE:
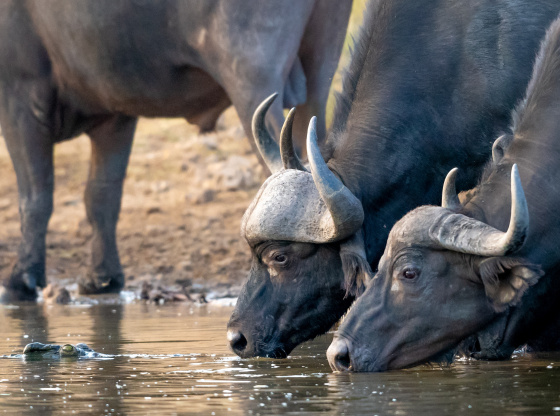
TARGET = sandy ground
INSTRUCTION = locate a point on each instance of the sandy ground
(184, 197)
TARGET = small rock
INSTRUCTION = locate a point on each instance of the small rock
(194, 158)
(210, 141)
(165, 269)
(57, 294)
(184, 282)
(186, 265)
(161, 295)
(145, 291)
(201, 299)
(179, 297)
(207, 195)
(198, 297)
(160, 187)
(236, 173)
(63, 297)
(153, 210)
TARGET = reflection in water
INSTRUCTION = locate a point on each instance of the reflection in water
(30, 321)
(175, 359)
(30, 324)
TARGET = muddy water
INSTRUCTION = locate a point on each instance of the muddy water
(174, 359)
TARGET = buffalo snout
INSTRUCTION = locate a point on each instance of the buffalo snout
(338, 354)
(242, 344)
(237, 342)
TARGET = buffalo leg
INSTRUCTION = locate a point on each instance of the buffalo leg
(30, 146)
(111, 143)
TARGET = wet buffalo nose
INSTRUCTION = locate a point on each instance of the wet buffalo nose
(338, 355)
(237, 341)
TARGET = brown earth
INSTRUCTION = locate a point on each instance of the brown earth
(184, 197)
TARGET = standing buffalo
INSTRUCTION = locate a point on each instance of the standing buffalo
(448, 272)
(431, 83)
(93, 66)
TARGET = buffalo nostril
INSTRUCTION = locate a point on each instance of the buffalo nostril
(339, 355)
(342, 360)
(237, 340)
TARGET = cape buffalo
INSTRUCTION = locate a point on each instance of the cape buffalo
(448, 272)
(429, 87)
(93, 66)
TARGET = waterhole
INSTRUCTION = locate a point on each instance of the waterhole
(174, 359)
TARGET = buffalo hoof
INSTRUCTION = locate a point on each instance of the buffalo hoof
(10, 294)
(22, 286)
(98, 285)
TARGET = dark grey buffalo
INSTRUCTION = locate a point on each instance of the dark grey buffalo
(429, 87)
(450, 272)
(93, 66)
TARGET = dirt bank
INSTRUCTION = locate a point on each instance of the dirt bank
(184, 197)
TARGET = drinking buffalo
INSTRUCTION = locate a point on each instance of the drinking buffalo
(94, 66)
(449, 272)
(431, 83)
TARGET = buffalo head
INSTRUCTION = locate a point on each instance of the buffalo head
(304, 231)
(443, 277)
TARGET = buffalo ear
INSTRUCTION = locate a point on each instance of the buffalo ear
(357, 271)
(506, 279)
(500, 146)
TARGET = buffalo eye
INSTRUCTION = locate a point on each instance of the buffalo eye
(280, 258)
(410, 273)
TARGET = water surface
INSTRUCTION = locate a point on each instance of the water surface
(174, 359)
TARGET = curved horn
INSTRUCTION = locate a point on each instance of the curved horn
(290, 159)
(345, 209)
(519, 220)
(460, 233)
(449, 198)
(265, 142)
